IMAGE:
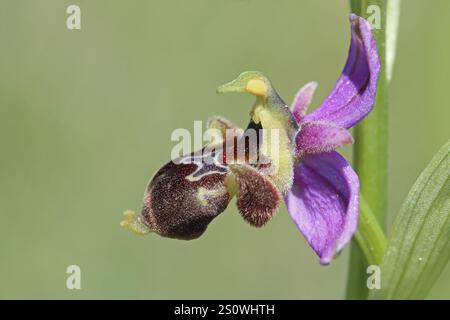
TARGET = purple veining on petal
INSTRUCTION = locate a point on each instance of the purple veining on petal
(353, 95)
(302, 100)
(324, 202)
(321, 136)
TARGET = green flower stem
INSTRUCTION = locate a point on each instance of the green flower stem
(370, 237)
(370, 153)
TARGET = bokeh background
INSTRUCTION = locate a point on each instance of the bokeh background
(86, 118)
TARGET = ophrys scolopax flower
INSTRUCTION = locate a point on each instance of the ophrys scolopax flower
(320, 189)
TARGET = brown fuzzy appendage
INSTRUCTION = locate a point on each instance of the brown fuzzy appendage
(258, 198)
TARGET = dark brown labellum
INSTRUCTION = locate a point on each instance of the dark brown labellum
(183, 198)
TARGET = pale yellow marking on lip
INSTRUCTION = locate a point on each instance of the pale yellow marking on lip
(204, 195)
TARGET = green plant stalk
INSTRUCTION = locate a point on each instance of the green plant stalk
(370, 153)
(370, 237)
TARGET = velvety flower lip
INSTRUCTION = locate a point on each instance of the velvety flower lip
(324, 198)
(353, 94)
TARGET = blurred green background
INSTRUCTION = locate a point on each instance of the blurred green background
(86, 118)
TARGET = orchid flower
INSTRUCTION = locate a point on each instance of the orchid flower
(319, 188)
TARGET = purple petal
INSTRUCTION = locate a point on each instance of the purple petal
(324, 202)
(353, 95)
(302, 100)
(321, 136)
